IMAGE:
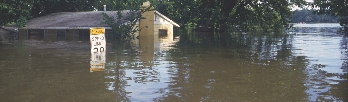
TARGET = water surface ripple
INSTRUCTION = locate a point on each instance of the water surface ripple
(193, 67)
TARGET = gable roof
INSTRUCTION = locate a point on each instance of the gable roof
(166, 18)
(71, 20)
(78, 20)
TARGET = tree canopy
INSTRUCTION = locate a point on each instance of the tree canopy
(215, 14)
(307, 16)
(226, 14)
(333, 7)
(134, 10)
(13, 11)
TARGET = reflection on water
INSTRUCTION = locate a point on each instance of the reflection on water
(191, 67)
(326, 56)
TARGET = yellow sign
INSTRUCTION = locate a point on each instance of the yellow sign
(97, 67)
(95, 31)
(98, 49)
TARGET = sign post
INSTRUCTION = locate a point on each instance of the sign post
(98, 49)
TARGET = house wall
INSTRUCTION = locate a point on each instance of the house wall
(32, 34)
(35, 34)
(159, 20)
(162, 24)
(164, 37)
(51, 35)
(69, 35)
(54, 34)
(23, 34)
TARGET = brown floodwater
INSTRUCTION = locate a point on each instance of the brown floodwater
(192, 67)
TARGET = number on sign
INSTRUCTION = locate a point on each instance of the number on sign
(101, 49)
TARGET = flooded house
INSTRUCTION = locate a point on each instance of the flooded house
(156, 28)
(75, 25)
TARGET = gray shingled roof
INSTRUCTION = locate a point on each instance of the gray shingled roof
(72, 20)
(78, 20)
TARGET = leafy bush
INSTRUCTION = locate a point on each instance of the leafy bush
(21, 22)
(130, 13)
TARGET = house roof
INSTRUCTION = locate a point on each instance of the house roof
(71, 20)
(166, 18)
(78, 20)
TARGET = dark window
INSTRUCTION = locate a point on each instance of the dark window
(36, 34)
(84, 34)
(162, 33)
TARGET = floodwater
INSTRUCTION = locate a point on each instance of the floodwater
(189, 67)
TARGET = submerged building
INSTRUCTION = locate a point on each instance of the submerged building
(70, 25)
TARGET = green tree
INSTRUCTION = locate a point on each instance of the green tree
(45, 7)
(333, 7)
(225, 14)
(127, 10)
(18, 11)
(218, 15)
(12, 11)
(302, 15)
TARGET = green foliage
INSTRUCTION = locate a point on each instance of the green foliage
(121, 29)
(12, 11)
(16, 11)
(308, 16)
(129, 11)
(218, 15)
(222, 15)
(21, 22)
(45, 7)
(333, 7)
(114, 5)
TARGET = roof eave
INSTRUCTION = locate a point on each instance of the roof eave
(166, 18)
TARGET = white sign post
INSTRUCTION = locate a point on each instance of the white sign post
(98, 49)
